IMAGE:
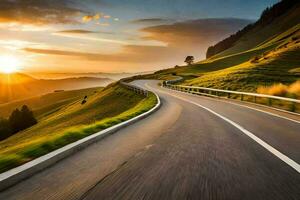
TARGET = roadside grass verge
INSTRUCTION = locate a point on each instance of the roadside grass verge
(292, 90)
(19, 154)
(275, 103)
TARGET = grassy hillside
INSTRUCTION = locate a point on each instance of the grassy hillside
(265, 56)
(275, 20)
(72, 122)
(279, 65)
(46, 104)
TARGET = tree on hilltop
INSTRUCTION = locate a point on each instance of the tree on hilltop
(189, 60)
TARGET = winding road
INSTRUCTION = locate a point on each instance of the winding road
(193, 147)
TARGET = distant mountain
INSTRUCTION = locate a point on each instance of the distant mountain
(274, 20)
(114, 76)
(19, 86)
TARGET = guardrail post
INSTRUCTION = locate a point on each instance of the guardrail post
(242, 97)
(254, 99)
(270, 102)
(228, 95)
(293, 107)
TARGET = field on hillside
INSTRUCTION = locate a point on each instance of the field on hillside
(273, 61)
(46, 104)
(278, 66)
(72, 122)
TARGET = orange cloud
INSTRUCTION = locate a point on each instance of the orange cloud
(38, 12)
(75, 31)
(87, 18)
(97, 16)
(129, 53)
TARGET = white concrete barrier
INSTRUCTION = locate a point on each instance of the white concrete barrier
(26, 170)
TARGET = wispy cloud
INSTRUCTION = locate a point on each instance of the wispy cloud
(76, 31)
(82, 31)
(151, 21)
(38, 12)
(129, 53)
(87, 18)
(85, 36)
(96, 17)
(18, 44)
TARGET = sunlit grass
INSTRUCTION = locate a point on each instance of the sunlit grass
(46, 104)
(292, 90)
(19, 150)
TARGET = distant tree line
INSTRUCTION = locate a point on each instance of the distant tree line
(17, 121)
(267, 16)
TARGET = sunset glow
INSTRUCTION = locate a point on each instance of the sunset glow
(110, 36)
(219, 82)
(9, 64)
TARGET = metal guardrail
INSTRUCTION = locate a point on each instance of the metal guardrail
(173, 81)
(136, 89)
(228, 93)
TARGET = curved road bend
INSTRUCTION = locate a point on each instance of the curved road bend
(182, 151)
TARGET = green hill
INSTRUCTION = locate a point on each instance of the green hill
(265, 55)
(63, 118)
(46, 104)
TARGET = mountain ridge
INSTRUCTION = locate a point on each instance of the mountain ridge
(268, 16)
(20, 86)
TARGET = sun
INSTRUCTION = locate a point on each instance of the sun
(9, 64)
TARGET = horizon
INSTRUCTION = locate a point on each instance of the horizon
(109, 36)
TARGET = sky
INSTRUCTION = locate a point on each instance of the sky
(77, 36)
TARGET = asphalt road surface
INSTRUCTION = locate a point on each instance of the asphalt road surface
(192, 148)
